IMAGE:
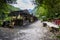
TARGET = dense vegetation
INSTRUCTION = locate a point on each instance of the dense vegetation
(6, 8)
(48, 9)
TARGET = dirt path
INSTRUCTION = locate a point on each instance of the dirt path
(33, 31)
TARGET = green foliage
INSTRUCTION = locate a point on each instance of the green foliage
(58, 37)
(11, 8)
(48, 8)
(5, 9)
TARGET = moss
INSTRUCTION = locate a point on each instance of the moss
(58, 36)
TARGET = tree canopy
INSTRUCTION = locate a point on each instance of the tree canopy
(48, 8)
(4, 5)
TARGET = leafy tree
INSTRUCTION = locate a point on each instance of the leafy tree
(51, 8)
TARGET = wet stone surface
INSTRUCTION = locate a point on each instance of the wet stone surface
(34, 31)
